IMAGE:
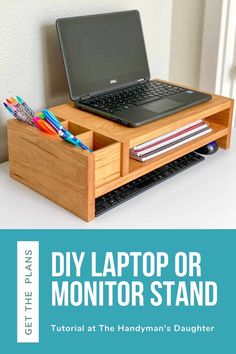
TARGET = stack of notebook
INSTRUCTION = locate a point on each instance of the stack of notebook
(167, 142)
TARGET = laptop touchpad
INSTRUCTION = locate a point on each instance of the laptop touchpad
(163, 105)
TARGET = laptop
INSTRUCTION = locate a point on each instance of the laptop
(108, 74)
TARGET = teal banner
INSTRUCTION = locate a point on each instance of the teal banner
(118, 291)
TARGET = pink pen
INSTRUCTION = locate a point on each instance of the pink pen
(35, 120)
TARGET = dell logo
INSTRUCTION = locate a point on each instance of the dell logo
(114, 81)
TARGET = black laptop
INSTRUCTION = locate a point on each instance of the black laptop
(107, 70)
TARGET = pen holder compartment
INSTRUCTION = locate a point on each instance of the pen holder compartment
(73, 128)
(106, 152)
(60, 171)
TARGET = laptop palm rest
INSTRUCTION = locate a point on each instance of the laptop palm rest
(150, 111)
(163, 105)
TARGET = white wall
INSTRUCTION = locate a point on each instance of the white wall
(212, 44)
(186, 41)
(218, 57)
(30, 62)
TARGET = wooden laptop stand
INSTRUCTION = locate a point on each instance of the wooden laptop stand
(73, 178)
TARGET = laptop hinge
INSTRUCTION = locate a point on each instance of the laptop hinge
(84, 97)
(98, 93)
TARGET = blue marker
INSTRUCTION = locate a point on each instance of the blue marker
(51, 119)
(50, 115)
(55, 127)
(25, 105)
(64, 133)
(73, 140)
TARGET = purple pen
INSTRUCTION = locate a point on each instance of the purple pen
(52, 124)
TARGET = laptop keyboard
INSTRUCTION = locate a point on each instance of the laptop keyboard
(139, 185)
(133, 96)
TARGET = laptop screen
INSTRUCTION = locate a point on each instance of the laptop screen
(102, 52)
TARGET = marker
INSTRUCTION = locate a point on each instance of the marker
(46, 127)
(73, 140)
(52, 118)
(17, 114)
(25, 118)
(42, 116)
(64, 133)
(54, 124)
(35, 120)
(50, 114)
(13, 103)
(26, 106)
(12, 112)
(55, 127)
(8, 101)
(18, 105)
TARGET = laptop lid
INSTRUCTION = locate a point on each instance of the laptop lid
(102, 52)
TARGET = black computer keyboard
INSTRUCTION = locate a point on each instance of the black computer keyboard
(139, 185)
(133, 96)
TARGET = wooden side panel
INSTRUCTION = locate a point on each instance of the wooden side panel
(107, 164)
(53, 168)
(225, 119)
(124, 158)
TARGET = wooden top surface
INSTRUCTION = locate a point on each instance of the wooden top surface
(136, 135)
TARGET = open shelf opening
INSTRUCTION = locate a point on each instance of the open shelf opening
(218, 131)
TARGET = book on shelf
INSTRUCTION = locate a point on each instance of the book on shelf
(167, 142)
(168, 138)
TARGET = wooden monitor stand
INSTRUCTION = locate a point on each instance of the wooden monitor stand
(73, 178)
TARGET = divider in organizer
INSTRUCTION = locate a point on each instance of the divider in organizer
(107, 161)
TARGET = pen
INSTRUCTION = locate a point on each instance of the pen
(54, 124)
(12, 112)
(64, 134)
(43, 125)
(26, 106)
(50, 116)
(73, 140)
(18, 105)
(20, 110)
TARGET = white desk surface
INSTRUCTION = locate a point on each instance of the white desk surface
(202, 197)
